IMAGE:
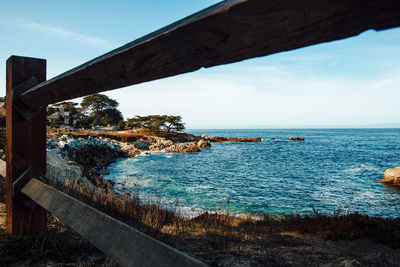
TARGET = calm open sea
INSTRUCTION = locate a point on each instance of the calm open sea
(334, 169)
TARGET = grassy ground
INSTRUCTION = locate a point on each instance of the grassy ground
(216, 239)
(125, 137)
(224, 240)
(55, 246)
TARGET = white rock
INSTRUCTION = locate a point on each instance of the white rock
(392, 176)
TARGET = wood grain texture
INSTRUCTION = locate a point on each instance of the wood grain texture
(25, 145)
(228, 32)
(126, 245)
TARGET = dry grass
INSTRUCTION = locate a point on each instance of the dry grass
(124, 207)
(215, 238)
(349, 227)
(153, 219)
(56, 243)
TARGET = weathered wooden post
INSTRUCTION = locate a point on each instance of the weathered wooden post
(26, 142)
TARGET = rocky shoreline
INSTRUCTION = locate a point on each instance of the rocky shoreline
(84, 159)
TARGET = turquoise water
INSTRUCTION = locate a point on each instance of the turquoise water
(334, 169)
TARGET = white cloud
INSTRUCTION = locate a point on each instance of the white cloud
(265, 98)
(79, 37)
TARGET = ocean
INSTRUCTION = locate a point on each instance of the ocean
(333, 170)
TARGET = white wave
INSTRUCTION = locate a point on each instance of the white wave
(360, 168)
(191, 189)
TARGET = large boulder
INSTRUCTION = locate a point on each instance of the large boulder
(59, 170)
(203, 143)
(140, 144)
(92, 154)
(129, 149)
(160, 143)
(177, 148)
(296, 139)
(230, 139)
(192, 148)
(245, 139)
(183, 148)
(214, 138)
(392, 176)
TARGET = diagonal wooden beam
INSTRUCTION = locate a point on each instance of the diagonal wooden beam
(228, 32)
(126, 245)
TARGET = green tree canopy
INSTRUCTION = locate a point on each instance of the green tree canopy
(99, 109)
(157, 123)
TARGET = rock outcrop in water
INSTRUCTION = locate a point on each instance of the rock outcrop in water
(245, 139)
(203, 143)
(392, 176)
(296, 139)
(84, 159)
(183, 148)
(230, 139)
(160, 144)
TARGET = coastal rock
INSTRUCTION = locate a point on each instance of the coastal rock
(296, 139)
(203, 143)
(192, 148)
(181, 137)
(58, 170)
(245, 139)
(183, 148)
(214, 138)
(177, 148)
(129, 149)
(392, 176)
(230, 139)
(92, 154)
(160, 144)
(140, 144)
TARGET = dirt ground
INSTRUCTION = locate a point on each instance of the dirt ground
(290, 249)
(276, 249)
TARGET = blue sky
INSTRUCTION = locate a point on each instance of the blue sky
(352, 82)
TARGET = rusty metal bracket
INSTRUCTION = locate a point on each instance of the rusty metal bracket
(19, 105)
(21, 182)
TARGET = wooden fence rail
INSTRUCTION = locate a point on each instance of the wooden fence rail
(230, 31)
(25, 144)
(126, 245)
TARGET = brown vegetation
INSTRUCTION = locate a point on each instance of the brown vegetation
(349, 227)
(217, 239)
(55, 246)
